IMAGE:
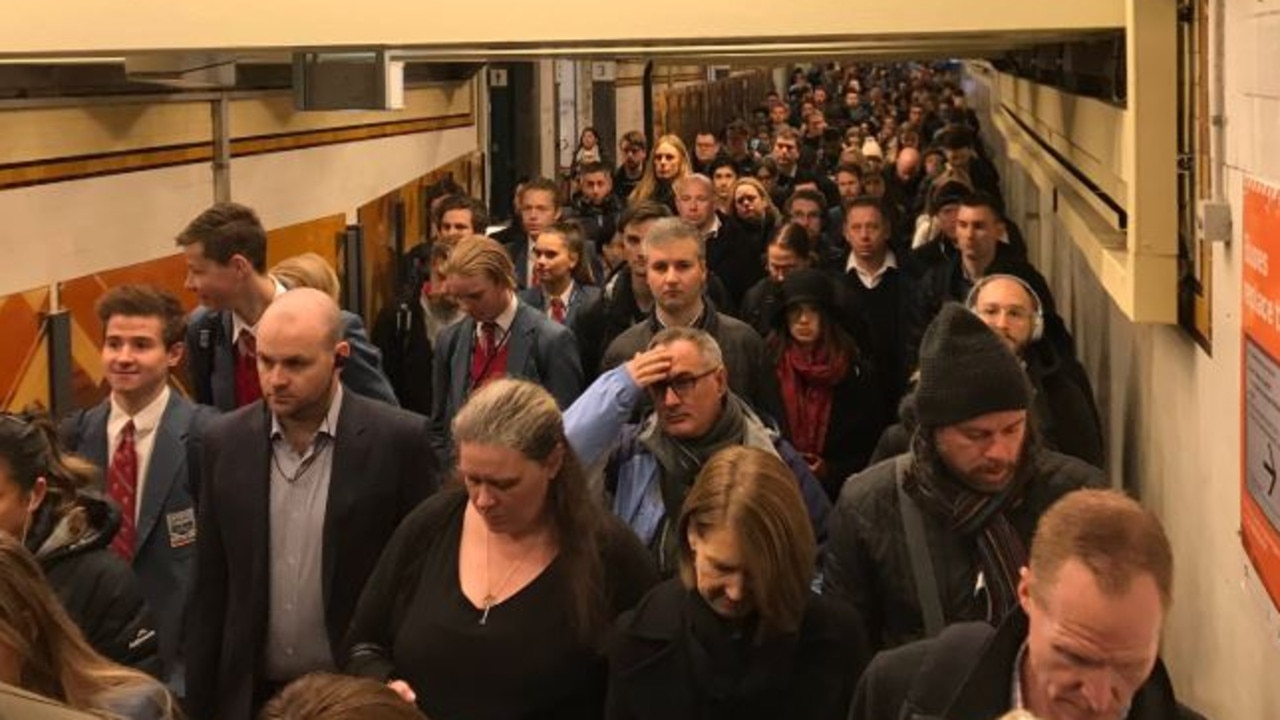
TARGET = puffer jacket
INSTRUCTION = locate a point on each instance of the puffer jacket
(97, 588)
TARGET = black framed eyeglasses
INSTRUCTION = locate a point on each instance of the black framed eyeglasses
(681, 386)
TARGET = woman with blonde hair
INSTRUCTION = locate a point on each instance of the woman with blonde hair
(43, 652)
(493, 599)
(668, 162)
(308, 270)
(740, 633)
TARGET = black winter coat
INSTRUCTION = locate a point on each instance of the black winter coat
(1064, 409)
(867, 563)
(662, 668)
(966, 674)
(97, 588)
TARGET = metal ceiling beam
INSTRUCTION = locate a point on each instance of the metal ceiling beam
(35, 28)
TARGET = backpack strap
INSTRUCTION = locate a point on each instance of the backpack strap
(918, 550)
(207, 332)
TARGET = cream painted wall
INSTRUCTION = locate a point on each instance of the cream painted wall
(65, 230)
(291, 187)
(1172, 410)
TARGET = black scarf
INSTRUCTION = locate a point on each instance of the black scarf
(681, 460)
(1001, 552)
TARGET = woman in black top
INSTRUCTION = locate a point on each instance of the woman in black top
(739, 634)
(492, 603)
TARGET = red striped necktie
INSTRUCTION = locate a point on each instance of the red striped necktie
(122, 486)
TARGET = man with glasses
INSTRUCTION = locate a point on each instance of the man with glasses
(1064, 409)
(649, 466)
(675, 258)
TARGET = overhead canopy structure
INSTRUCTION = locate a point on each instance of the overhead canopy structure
(486, 28)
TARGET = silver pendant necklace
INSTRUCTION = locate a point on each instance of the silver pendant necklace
(492, 595)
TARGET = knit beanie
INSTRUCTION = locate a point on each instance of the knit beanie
(966, 371)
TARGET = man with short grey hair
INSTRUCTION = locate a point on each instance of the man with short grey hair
(676, 271)
(649, 467)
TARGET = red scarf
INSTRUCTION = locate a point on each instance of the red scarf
(808, 379)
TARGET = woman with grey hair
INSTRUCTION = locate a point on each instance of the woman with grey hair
(493, 598)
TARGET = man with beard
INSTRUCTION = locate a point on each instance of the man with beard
(1064, 409)
(595, 208)
(634, 150)
(300, 492)
(936, 535)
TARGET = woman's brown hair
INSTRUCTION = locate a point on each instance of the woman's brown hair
(326, 696)
(752, 493)
(57, 661)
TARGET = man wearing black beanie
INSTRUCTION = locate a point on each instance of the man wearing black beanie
(938, 534)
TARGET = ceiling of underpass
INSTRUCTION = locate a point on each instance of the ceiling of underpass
(83, 46)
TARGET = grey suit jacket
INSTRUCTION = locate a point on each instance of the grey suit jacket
(165, 550)
(538, 349)
(382, 469)
(212, 360)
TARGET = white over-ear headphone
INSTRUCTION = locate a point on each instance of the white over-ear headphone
(1037, 318)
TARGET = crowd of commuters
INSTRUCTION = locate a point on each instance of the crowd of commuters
(785, 427)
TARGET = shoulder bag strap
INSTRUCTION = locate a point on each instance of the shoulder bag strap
(918, 550)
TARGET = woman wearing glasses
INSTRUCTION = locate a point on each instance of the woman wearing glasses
(492, 600)
(739, 634)
(42, 650)
(46, 503)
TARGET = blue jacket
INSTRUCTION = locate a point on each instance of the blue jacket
(211, 360)
(165, 550)
(598, 430)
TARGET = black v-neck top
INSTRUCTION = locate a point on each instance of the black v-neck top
(525, 661)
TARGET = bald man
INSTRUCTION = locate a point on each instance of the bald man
(299, 493)
(1064, 410)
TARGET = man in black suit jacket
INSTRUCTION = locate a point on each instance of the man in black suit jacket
(299, 494)
(226, 253)
(1083, 643)
(143, 330)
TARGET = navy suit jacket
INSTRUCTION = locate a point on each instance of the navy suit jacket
(538, 349)
(165, 550)
(585, 316)
(211, 360)
(382, 468)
